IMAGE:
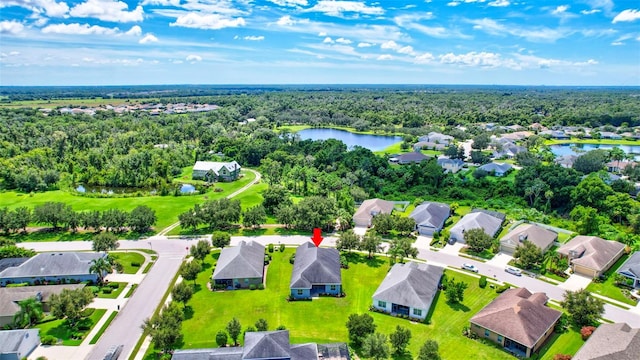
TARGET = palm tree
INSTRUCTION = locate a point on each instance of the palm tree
(30, 313)
(100, 266)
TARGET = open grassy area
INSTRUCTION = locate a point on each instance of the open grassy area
(167, 207)
(208, 312)
(104, 327)
(608, 287)
(566, 343)
(61, 330)
(114, 292)
(127, 258)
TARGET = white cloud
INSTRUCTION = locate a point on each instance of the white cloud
(161, 2)
(499, 3)
(206, 21)
(589, 12)
(10, 27)
(79, 29)
(328, 40)
(627, 16)
(424, 58)
(49, 7)
(358, 32)
(107, 10)
(617, 43)
(149, 38)
(254, 38)
(539, 34)
(412, 22)
(453, 3)
(389, 45)
(343, 41)
(606, 5)
(288, 21)
(290, 2)
(481, 59)
(560, 9)
(14, 53)
(193, 58)
(385, 57)
(322, 33)
(337, 8)
(364, 44)
(134, 31)
(406, 50)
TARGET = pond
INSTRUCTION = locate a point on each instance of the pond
(371, 142)
(187, 189)
(573, 149)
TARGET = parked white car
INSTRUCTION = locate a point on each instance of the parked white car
(513, 271)
(470, 267)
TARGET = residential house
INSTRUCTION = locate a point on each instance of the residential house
(610, 135)
(430, 217)
(508, 151)
(517, 320)
(490, 224)
(53, 267)
(450, 165)
(428, 145)
(537, 127)
(555, 134)
(514, 127)
(539, 236)
(316, 271)
(409, 158)
(497, 169)
(617, 341)
(370, 208)
(617, 166)
(631, 269)
(18, 344)
(408, 289)
(566, 161)
(216, 171)
(240, 266)
(10, 296)
(438, 138)
(590, 255)
(272, 345)
(516, 136)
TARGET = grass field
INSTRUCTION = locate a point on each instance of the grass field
(210, 311)
(608, 287)
(167, 207)
(61, 330)
(127, 258)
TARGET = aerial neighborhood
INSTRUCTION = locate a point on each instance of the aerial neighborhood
(220, 232)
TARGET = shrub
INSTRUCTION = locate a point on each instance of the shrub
(41, 358)
(292, 258)
(87, 312)
(281, 247)
(586, 331)
(49, 340)
(107, 290)
(562, 324)
(482, 282)
(135, 264)
(252, 287)
(502, 288)
(260, 286)
(561, 357)
(270, 248)
(114, 285)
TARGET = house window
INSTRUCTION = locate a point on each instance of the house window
(299, 291)
(246, 281)
(486, 333)
(499, 338)
(417, 312)
(382, 304)
(333, 288)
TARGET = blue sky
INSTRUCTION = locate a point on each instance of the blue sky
(114, 42)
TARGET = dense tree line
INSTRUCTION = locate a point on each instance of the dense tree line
(61, 216)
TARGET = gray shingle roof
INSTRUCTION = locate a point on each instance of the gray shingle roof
(243, 261)
(314, 265)
(267, 345)
(442, 161)
(490, 224)
(412, 157)
(431, 214)
(410, 284)
(11, 262)
(226, 353)
(538, 235)
(10, 340)
(372, 207)
(53, 264)
(497, 167)
(611, 341)
(518, 315)
(594, 252)
(304, 352)
(632, 265)
(9, 297)
(333, 351)
(495, 214)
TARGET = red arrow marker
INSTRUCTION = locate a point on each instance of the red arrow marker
(317, 236)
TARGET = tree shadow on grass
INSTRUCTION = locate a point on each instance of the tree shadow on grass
(458, 307)
(188, 312)
(196, 288)
(205, 265)
(356, 258)
(404, 356)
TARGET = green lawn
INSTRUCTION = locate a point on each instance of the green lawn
(566, 343)
(167, 207)
(103, 328)
(608, 288)
(208, 312)
(61, 330)
(127, 258)
(114, 293)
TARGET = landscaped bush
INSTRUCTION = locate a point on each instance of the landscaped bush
(270, 247)
(107, 290)
(252, 287)
(482, 282)
(260, 286)
(292, 258)
(48, 340)
(18, 285)
(114, 285)
(87, 312)
(135, 264)
(586, 331)
(561, 357)
(502, 288)
(563, 324)
(281, 247)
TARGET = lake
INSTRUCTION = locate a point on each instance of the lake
(371, 142)
(570, 149)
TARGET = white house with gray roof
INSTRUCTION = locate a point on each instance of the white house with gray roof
(497, 169)
(631, 269)
(430, 217)
(437, 138)
(316, 271)
(490, 224)
(216, 171)
(272, 345)
(18, 344)
(240, 266)
(52, 267)
(408, 289)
